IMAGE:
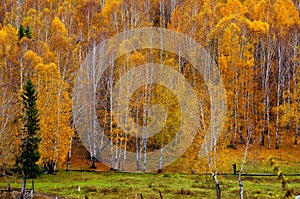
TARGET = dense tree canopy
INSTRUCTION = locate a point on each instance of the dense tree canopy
(255, 44)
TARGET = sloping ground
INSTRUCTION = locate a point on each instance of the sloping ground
(80, 159)
(257, 160)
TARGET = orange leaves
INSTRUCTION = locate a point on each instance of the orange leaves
(8, 40)
(233, 7)
(58, 33)
(280, 14)
(54, 104)
(3, 44)
(57, 27)
(259, 27)
(263, 10)
(31, 59)
(3, 36)
(286, 16)
(241, 36)
(110, 6)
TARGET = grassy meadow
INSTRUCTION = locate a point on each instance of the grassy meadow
(176, 181)
(150, 185)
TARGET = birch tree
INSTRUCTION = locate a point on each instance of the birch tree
(55, 109)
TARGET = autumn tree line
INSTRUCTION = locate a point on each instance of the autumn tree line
(255, 44)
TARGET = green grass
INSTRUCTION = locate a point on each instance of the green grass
(128, 185)
(265, 167)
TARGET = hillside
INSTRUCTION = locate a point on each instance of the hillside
(154, 84)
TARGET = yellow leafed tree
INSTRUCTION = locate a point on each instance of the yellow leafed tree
(54, 104)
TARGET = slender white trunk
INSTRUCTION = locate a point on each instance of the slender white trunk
(295, 81)
(218, 189)
(160, 159)
(241, 186)
(23, 190)
(236, 125)
(268, 122)
(21, 73)
(145, 153)
(267, 52)
(94, 111)
(137, 142)
(279, 84)
(297, 133)
(141, 150)
(145, 113)
(124, 154)
(110, 85)
(69, 156)
(242, 167)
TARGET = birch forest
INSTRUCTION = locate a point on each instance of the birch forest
(255, 44)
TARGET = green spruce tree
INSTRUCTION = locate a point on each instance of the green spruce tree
(21, 32)
(29, 154)
(28, 32)
(24, 32)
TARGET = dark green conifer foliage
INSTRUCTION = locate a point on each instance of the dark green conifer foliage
(24, 32)
(29, 154)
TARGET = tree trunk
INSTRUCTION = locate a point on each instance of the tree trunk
(124, 153)
(69, 156)
(249, 135)
(137, 143)
(110, 88)
(277, 116)
(32, 185)
(297, 134)
(296, 80)
(23, 190)
(241, 136)
(241, 186)
(160, 160)
(93, 162)
(218, 189)
(280, 87)
(137, 155)
(50, 167)
(268, 123)
(262, 142)
(145, 153)
(119, 155)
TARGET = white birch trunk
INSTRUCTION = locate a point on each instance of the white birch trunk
(69, 155)
(218, 189)
(23, 190)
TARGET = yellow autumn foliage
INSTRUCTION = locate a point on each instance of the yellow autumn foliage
(54, 105)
